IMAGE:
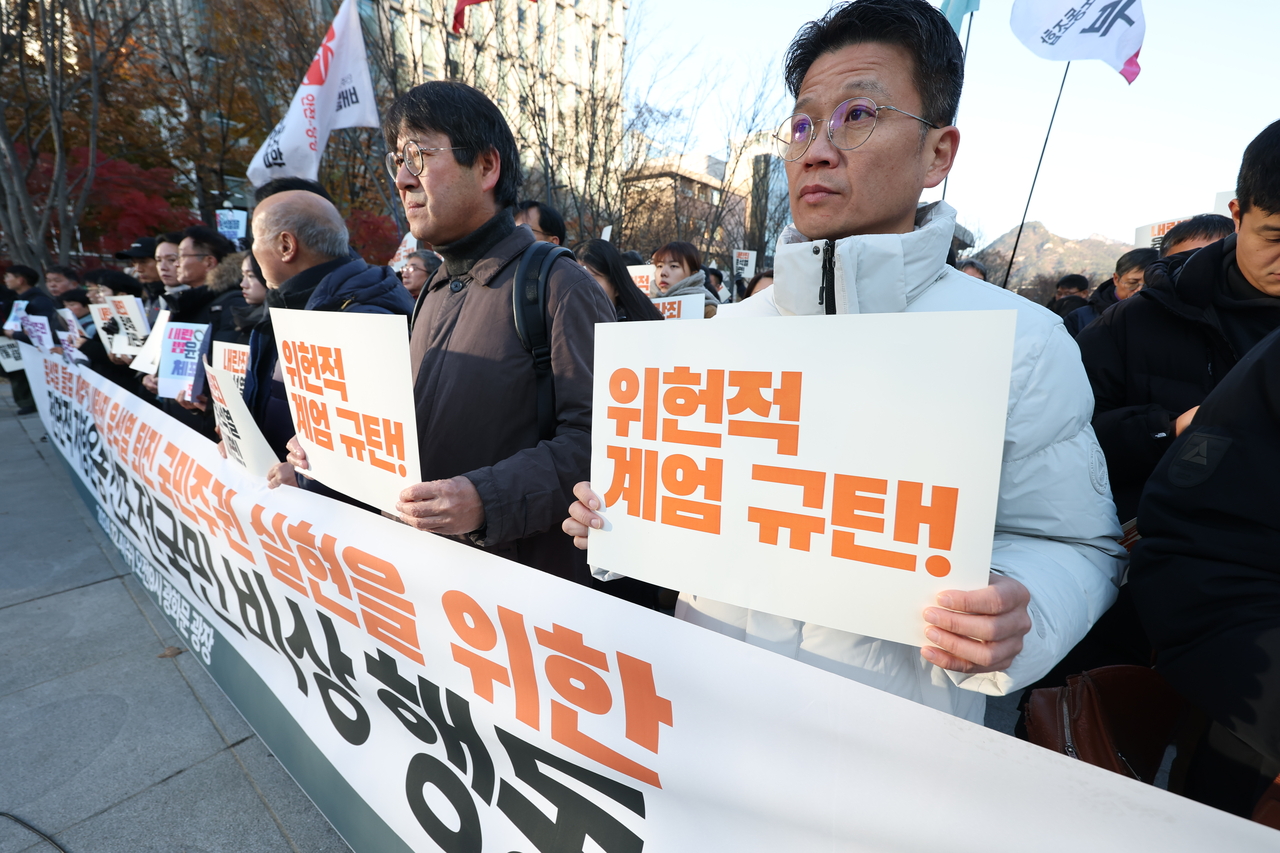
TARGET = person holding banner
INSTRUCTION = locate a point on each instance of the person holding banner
(303, 249)
(877, 83)
(21, 281)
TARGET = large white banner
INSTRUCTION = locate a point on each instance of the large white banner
(429, 696)
(1110, 30)
(352, 405)
(840, 470)
(336, 92)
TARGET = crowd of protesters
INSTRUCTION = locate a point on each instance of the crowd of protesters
(1167, 371)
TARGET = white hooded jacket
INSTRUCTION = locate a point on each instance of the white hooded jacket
(1056, 529)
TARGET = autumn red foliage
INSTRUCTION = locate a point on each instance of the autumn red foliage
(374, 236)
(127, 201)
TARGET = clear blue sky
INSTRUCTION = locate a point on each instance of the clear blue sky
(1120, 155)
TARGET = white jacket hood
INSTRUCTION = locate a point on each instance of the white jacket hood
(876, 273)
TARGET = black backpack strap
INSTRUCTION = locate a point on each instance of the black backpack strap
(529, 309)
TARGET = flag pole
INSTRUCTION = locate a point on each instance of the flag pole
(964, 65)
(1016, 240)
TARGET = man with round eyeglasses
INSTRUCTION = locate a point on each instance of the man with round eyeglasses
(876, 84)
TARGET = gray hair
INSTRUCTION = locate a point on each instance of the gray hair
(318, 227)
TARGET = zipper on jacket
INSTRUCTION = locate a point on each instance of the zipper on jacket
(1066, 732)
(827, 295)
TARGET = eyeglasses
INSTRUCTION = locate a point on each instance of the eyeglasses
(850, 125)
(412, 157)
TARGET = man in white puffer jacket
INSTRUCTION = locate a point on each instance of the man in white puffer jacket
(870, 247)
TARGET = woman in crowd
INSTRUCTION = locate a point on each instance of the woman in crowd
(762, 280)
(254, 290)
(679, 269)
(604, 263)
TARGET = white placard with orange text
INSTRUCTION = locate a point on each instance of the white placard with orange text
(351, 395)
(233, 358)
(691, 307)
(132, 319)
(839, 470)
(645, 277)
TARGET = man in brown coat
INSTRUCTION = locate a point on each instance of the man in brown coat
(489, 477)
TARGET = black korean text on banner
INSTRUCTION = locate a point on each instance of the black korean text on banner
(759, 754)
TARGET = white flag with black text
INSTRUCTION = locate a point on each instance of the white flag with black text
(1110, 30)
(337, 92)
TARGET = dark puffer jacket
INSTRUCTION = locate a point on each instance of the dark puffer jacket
(1102, 299)
(343, 284)
(1206, 575)
(1159, 353)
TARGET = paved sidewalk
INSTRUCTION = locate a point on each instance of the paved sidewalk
(104, 746)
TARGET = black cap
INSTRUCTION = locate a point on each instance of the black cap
(143, 247)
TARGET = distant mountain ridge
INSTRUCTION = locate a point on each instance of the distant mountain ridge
(1044, 257)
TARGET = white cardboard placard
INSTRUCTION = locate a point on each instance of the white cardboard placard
(351, 396)
(744, 264)
(233, 358)
(691, 307)
(179, 357)
(240, 434)
(39, 331)
(841, 470)
(16, 313)
(645, 276)
(148, 359)
(134, 328)
(102, 314)
(10, 355)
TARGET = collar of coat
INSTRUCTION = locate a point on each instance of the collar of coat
(486, 267)
(463, 254)
(874, 273)
(1186, 282)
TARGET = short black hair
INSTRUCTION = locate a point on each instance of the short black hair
(1135, 260)
(913, 25)
(32, 277)
(1258, 184)
(174, 237)
(115, 281)
(77, 295)
(64, 271)
(209, 240)
(1206, 226)
(976, 264)
(1072, 281)
(280, 185)
(473, 123)
(717, 274)
(549, 219)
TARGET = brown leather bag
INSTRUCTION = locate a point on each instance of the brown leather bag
(1121, 718)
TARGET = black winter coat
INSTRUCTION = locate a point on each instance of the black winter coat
(1206, 575)
(1154, 356)
(1067, 304)
(1102, 299)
